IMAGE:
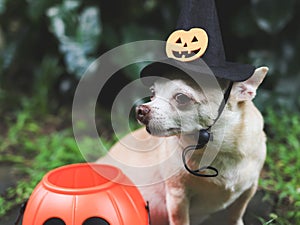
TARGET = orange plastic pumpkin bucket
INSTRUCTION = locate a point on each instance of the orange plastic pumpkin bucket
(85, 194)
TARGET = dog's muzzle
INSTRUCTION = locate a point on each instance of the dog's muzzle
(143, 114)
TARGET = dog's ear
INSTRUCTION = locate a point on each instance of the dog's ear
(246, 90)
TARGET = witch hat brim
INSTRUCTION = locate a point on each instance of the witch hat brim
(230, 71)
(203, 14)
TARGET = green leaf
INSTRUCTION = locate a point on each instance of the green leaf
(272, 15)
(7, 54)
(2, 6)
(90, 29)
(75, 57)
(77, 45)
(70, 5)
(37, 8)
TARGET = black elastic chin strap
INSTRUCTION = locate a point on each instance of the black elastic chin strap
(205, 136)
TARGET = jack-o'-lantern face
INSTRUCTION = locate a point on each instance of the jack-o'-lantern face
(187, 45)
(89, 221)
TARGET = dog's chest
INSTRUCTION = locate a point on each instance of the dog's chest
(209, 195)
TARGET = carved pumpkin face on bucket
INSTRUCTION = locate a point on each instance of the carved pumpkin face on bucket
(187, 46)
(85, 194)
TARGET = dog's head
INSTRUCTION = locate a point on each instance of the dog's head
(179, 105)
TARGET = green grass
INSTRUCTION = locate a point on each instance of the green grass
(271, 221)
(33, 148)
(281, 176)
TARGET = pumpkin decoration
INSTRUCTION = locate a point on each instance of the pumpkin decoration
(85, 194)
(187, 45)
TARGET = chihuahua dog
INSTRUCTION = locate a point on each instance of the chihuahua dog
(151, 156)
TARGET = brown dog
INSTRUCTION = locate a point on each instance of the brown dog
(178, 109)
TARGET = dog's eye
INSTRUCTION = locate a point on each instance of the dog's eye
(182, 98)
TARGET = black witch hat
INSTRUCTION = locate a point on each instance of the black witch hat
(201, 14)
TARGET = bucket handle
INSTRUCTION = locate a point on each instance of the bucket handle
(148, 211)
(21, 212)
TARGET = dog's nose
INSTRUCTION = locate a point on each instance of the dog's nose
(142, 114)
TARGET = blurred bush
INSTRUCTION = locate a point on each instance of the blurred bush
(280, 175)
(46, 45)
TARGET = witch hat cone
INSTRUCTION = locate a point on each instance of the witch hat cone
(199, 15)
